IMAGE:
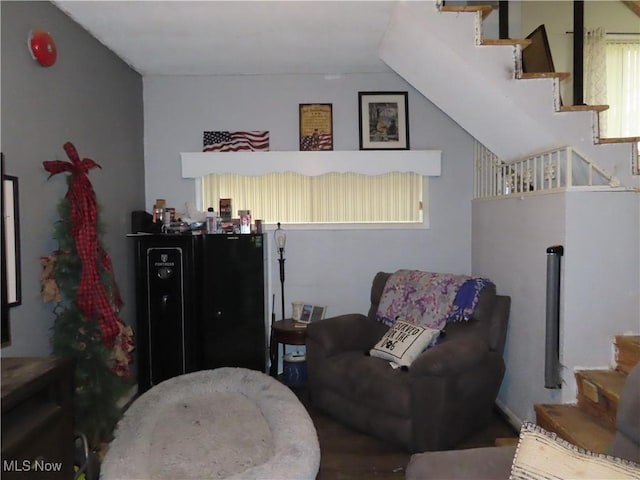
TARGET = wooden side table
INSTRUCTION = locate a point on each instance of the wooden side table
(37, 418)
(285, 332)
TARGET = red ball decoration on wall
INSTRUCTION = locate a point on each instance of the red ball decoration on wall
(42, 47)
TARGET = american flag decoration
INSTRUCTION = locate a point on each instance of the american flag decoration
(317, 141)
(220, 141)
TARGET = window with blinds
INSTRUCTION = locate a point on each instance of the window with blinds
(338, 198)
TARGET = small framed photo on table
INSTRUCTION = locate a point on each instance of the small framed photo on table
(312, 313)
(384, 120)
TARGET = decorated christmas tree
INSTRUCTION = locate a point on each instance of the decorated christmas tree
(79, 279)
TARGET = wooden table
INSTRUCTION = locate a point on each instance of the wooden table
(285, 332)
(37, 418)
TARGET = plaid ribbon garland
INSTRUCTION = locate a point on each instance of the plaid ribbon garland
(92, 297)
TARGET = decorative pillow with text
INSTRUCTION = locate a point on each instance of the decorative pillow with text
(403, 342)
(542, 455)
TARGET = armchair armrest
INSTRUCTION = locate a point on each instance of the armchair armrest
(450, 357)
(345, 333)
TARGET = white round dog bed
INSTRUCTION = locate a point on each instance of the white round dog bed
(226, 423)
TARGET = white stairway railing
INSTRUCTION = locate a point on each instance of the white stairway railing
(548, 171)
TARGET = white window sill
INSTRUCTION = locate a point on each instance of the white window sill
(269, 228)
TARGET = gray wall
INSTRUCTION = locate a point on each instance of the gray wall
(326, 267)
(93, 99)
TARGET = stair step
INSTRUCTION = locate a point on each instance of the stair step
(573, 425)
(485, 9)
(583, 108)
(619, 140)
(627, 352)
(523, 42)
(530, 75)
(599, 393)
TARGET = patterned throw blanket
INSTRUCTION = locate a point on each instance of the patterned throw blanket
(428, 299)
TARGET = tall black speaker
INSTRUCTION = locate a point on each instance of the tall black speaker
(168, 306)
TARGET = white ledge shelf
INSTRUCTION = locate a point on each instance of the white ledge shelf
(368, 162)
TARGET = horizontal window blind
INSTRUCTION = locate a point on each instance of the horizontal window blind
(330, 198)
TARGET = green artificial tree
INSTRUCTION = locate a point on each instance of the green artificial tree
(78, 278)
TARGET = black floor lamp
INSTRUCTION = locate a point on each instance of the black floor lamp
(281, 241)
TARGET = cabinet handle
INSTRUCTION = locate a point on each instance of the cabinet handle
(163, 302)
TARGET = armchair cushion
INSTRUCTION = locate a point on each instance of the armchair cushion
(451, 357)
(345, 333)
(541, 455)
(403, 342)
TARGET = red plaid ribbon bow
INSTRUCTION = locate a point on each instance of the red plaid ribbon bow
(92, 296)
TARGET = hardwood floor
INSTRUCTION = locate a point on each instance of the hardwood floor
(350, 455)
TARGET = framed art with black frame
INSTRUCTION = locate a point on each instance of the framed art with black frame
(11, 230)
(383, 120)
(4, 326)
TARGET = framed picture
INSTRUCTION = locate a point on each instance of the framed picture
(312, 313)
(5, 338)
(384, 120)
(11, 228)
(316, 126)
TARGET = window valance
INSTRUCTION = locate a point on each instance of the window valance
(369, 162)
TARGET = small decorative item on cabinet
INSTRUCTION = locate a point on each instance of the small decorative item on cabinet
(225, 209)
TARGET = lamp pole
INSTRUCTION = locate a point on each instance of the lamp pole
(281, 240)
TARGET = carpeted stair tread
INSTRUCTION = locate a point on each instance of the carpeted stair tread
(583, 108)
(599, 393)
(485, 9)
(619, 140)
(531, 75)
(523, 42)
(574, 426)
(627, 352)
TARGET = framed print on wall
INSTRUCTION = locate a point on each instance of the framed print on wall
(316, 126)
(4, 326)
(384, 120)
(11, 229)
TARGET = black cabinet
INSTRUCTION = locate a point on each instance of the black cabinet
(169, 307)
(201, 304)
(234, 310)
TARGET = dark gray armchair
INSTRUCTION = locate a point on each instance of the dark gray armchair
(446, 394)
